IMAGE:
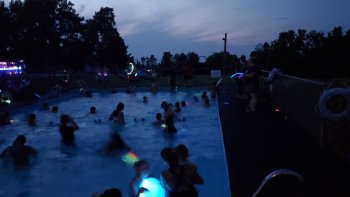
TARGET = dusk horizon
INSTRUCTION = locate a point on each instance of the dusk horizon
(154, 27)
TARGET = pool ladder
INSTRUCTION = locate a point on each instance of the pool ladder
(283, 182)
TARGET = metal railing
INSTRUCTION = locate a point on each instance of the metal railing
(296, 98)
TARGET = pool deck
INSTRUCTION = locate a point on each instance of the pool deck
(257, 143)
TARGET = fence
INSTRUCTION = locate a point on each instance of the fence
(296, 98)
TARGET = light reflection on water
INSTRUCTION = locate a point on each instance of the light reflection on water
(83, 169)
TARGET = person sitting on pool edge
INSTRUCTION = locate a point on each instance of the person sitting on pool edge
(19, 152)
(67, 128)
(213, 90)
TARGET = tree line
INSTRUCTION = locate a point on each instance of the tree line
(50, 35)
(308, 54)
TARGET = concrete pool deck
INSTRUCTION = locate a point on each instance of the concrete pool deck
(258, 143)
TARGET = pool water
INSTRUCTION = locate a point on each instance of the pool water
(83, 170)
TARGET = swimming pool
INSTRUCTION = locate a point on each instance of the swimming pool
(83, 170)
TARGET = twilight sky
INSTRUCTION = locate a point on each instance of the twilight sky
(154, 26)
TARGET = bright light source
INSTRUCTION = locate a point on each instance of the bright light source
(154, 188)
(130, 158)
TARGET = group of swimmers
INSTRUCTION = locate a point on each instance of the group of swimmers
(179, 178)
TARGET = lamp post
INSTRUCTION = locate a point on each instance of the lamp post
(224, 56)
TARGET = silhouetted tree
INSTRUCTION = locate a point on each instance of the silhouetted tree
(307, 54)
(167, 60)
(180, 60)
(103, 40)
(5, 31)
(69, 27)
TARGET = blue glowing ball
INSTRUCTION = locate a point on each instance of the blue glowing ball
(154, 188)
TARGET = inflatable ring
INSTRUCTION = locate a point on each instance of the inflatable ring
(333, 105)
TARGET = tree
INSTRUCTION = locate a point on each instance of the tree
(103, 40)
(5, 31)
(167, 60)
(39, 33)
(69, 27)
(180, 60)
(152, 61)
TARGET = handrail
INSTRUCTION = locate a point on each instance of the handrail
(297, 78)
(282, 175)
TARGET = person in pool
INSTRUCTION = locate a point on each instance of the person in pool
(19, 152)
(177, 107)
(170, 126)
(145, 99)
(168, 111)
(54, 109)
(92, 110)
(67, 128)
(117, 115)
(31, 119)
(142, 171)
(116, 144)
(204, 95)
(179, 179)
(158, 120)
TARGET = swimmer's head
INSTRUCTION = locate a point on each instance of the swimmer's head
(20, 140)
(183, 103)
(177, 105)
(182, 151)
(64, 119)
(159, 116)
(120, 107)
(54, 109)
(92, 109)
(164, 105)
(31, 119)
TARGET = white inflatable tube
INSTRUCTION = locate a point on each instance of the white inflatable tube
(324, 111)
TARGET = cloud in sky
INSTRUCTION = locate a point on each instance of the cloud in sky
(247, 22)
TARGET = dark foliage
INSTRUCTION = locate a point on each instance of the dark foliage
(49, 35)
(308, 54)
